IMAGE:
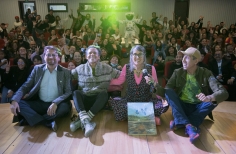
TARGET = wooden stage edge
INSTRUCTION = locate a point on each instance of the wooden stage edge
(111, 137)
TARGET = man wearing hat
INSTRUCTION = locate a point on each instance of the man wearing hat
(192, 92)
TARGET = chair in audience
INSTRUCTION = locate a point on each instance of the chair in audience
(64, 64)
(90, 42)
(2, 44)
(206, 58)
(165, 79)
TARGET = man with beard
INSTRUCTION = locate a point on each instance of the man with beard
(35, 50)
(192, 92)
(88, 21)
(45, 93)
(21, 42)
(112, 48)
(223, 72)
(176, 64)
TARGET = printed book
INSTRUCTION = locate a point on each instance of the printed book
(141, 118)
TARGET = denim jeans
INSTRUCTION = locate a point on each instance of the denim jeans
(4, 98)
(186, 113)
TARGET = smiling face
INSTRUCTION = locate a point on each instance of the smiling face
(77, 57)
(137, 57)
(51, 57)
(21, 64)
(92, 55)
(189, 62)
(104, 52)
(114, 60)
(71, 65)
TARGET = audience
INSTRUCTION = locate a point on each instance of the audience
(13, 78)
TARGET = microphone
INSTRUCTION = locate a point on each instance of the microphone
(145, 73)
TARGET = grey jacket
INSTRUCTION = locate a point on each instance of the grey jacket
(32, 85)
(206, 80)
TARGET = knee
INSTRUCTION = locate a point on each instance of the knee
(76, 92)
(104, 94)
(169, 92)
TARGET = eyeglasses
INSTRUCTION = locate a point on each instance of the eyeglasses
(20, 63)
(140, 55)
(51, 55)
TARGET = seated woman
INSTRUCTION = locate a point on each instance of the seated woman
(71, 65)
(114, 90)
(13, 78)
(170, 54)
(104, 58)
(138, 85)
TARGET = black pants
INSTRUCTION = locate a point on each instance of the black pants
(36, 111)
(93, 103)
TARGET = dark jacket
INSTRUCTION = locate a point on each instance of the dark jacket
(226, 68)
(206, 81)
(15, 78)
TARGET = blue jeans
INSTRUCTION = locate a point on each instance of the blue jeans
(186, 113)
(4, 98)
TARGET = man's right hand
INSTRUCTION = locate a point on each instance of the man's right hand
(14, 106)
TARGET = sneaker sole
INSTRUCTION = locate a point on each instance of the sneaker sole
(192, 140)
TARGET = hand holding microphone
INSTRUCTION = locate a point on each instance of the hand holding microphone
(149, 80)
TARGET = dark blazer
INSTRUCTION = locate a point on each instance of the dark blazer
(226, 68)
(32, 85)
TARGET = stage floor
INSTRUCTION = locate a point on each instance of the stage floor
(111, 137)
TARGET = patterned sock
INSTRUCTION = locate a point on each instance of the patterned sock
(83, 115)
(90, 114)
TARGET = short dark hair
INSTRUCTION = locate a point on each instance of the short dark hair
(38, 57)
(53, 48)
(93, 46)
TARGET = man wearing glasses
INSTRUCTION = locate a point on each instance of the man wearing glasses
(45, 93)
(93, 80)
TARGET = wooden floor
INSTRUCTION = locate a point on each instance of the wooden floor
(110, 137)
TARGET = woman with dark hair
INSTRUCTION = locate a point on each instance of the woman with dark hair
(139, 87)
(78, 58)
(171, 52)
(13, 78)
(158, 48)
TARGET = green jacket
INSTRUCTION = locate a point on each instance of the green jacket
(206, 80)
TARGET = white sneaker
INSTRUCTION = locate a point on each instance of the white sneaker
(74, 125)
(88, 126)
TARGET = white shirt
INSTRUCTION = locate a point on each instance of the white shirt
(48, 88)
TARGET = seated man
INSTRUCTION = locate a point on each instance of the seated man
(46, 93)
(175, 65)
(93, 80)
(188, 92)
(223, 71)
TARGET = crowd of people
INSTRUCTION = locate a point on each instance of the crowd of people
(93, 57)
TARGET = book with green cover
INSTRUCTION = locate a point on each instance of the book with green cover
(141, 118)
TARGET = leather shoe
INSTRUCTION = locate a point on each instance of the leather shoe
(52, 125)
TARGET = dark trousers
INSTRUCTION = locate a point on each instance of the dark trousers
(93, 103)
(36, 111)
(186, 113)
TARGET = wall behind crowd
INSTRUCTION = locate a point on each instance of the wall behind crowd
(213, 10)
